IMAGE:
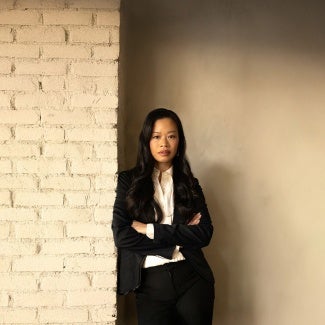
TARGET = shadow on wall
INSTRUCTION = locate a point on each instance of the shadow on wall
(225, 252)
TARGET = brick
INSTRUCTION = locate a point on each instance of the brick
(53, 134)
(63, 315)
(4, 100)
(11, 248)
(39, 4)
(66, 214)
(4, 299)
(13, 182)
(41, 68)
(28, 133)
(105, 314)
(37, 299)
(4, 230)
(19, 17)
(114, 36)
(39, 231)
(89, 264)
(19, 50)
(105, 183)
(5, 199)
(65, 183)
(91, 167)
(5, 134)
(9, 116)
(17, 214)
(64, 282)
(103, 280)
(17, 282)
(105, 247)
(94, 135)
(102, 198)
(34, 199)
(90, 35)
(38, 133)
(94, 4)
(19, 150)
(108, 18)
(17, 316)
(106, 52)
(88, 298)
(75, 199)
(106, 151)
(78, 151)
(6, 4)
(66, 247)
(109, 167)
(5, 66)
(39, 99)
(52, 83)
(87, 230)
(5, 34)
(40, 34)
(94, 69)
(75, 117)
(105, 117)
(5, 165)
(38, 264)
(66, 51)
(89, 100)
(43, 166)
(103, 214)
(5, 265)
(67, 17)
(18, 83)
(92, 84)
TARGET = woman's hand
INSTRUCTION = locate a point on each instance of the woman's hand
(195, 220)
(142, 227)
(139, 227)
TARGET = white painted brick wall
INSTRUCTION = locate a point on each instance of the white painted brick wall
(58, 159)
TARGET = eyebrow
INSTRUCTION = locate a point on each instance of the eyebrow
(167, 132)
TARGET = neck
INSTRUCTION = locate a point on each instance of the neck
(162, 167)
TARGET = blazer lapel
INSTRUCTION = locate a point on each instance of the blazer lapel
(176, 217)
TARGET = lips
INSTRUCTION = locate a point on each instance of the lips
(164, 153)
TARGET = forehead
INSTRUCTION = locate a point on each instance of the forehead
(165, 125)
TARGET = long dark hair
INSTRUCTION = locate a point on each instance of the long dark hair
(140, 197)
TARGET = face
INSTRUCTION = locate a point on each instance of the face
(164, 143)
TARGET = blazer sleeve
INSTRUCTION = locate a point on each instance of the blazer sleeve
(192, 237)
(124, 235)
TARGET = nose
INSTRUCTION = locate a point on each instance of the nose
(163, 142)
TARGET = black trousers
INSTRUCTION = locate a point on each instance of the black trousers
(174, 294)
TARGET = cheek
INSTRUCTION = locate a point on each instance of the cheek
(151, 146)
(176, 145)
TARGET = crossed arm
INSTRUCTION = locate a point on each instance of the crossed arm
(130, 234)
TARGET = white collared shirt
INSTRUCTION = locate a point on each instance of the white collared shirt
(164, 196)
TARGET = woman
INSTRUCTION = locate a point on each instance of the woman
(160, 224)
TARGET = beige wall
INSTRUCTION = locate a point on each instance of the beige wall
(248, 80)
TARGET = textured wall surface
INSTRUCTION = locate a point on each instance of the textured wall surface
(58, 159)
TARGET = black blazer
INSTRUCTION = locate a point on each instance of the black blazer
(133, 247)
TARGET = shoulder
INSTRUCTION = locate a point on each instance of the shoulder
(126, 176)
(198, 192)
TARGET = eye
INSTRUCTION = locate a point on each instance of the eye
(172, 136)
(155, 137)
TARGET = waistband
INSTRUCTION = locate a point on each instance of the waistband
(164, 267)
